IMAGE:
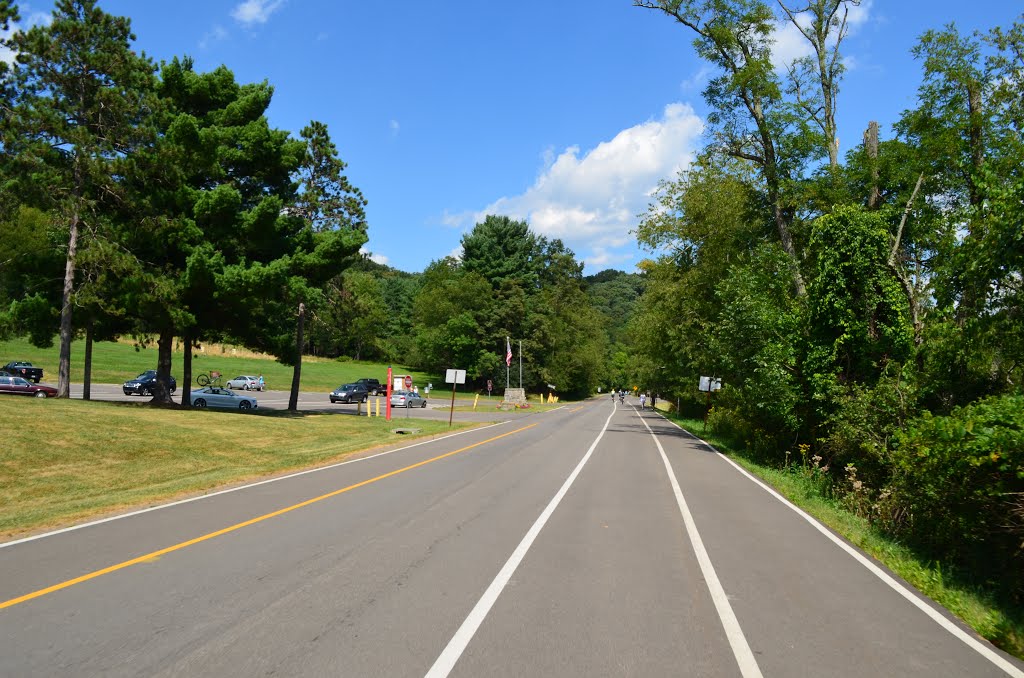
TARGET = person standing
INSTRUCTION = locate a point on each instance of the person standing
(261, 383)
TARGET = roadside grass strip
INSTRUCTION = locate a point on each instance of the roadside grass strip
(238, 526)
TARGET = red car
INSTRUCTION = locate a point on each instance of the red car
(19, 386)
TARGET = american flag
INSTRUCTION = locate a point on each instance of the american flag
(508, 352)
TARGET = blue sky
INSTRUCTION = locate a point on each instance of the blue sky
(565, 113)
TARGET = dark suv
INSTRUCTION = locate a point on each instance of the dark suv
(145, 384)
(372, 386)
(349, 393)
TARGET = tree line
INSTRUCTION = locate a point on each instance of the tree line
(865, 312)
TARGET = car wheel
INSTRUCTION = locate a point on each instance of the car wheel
(199, 403)
(146, 392)
(244, 405)
(423, 404)
(40, 394)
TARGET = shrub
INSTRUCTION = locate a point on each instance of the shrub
(960, 479)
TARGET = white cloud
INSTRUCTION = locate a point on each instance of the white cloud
(215, 35)
(377, 258)
(394, 127)
(591, 199)
(255, 11)
(698, 79)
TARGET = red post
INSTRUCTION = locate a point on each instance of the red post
(387, 409)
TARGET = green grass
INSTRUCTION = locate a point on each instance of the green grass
(978, 608)
(64, 461)
(116, 362)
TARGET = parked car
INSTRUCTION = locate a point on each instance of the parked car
(407, 399)
(145, 384)
(372, 386)
(17, 386)
(23, 369)
(349, 393)
(215, 396)
(245, 383)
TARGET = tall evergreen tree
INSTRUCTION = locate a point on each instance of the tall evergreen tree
(80, 94)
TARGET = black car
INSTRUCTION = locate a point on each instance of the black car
(372, 386)
(145, 384)
(349, 393)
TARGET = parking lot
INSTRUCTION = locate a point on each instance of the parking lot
(312, 401)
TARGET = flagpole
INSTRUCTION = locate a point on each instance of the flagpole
(508, 362)
(520, 363)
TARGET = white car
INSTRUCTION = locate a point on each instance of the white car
(213, 396)
(245, 383)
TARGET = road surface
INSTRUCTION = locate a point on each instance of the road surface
(591, 540)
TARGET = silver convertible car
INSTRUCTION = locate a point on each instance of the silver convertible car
(214, 396)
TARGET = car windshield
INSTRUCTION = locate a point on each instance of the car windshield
(346, 387)
(145, 374)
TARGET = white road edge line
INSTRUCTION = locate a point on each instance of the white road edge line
(240, 487)
(457, 645)
(740, 648)
(975, 644)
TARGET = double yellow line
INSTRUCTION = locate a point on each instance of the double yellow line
(149, 557)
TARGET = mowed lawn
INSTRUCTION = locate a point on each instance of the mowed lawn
(64, 461)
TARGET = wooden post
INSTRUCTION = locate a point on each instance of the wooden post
(452, 410)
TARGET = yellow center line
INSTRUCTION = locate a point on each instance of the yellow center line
(191, 542)
(577, 409)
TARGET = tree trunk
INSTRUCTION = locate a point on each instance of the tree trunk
(293, 398)
(976, 140)
(87, 376)
(787, 244)
(186, 370)
(64, 362)
(164, 344)
(871, 150)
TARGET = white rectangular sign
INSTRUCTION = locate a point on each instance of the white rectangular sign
(710, 384)
(455, 376)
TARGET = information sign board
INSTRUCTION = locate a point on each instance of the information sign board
(455, 376)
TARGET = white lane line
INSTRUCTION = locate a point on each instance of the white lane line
(457, 645)
(318, 469)
(972, 642)
(738, 642)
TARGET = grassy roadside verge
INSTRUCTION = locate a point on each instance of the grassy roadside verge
(1003, 626)
(65, 461)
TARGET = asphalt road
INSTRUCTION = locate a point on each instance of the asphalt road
(592, 540)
